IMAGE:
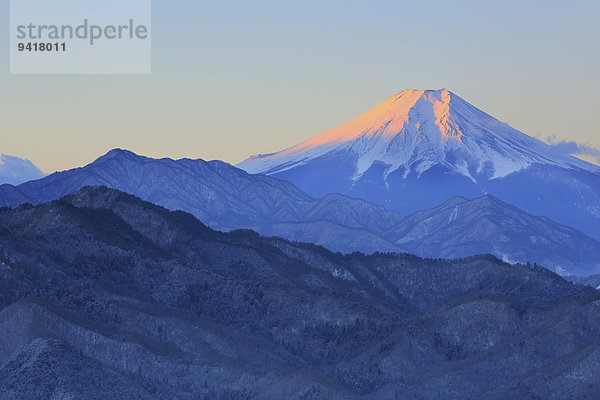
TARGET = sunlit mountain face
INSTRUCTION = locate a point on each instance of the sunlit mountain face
(416, 130)
(421, 147)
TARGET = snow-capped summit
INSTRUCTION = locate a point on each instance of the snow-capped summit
(416, 130)
(421, 147)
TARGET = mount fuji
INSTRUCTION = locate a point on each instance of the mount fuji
(422, 147)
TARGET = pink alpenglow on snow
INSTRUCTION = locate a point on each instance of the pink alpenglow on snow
(419, 129)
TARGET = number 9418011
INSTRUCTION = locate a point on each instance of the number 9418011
(42, 46)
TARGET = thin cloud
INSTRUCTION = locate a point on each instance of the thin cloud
(585, 151)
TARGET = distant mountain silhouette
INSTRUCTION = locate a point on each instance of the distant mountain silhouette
(226, 198)
(15, 170)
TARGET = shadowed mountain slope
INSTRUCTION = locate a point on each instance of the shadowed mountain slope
(226, 198)
(113, 289)
(461, 227)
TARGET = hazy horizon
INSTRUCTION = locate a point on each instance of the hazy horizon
(231, 80)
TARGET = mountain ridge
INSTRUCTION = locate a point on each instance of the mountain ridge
(462, 227)
(219, 194)
(227, 198)
(166, 307)
(419, 148)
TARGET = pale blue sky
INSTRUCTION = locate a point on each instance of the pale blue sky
(234, 78)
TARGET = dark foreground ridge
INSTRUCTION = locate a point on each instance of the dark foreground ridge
(103, 296)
